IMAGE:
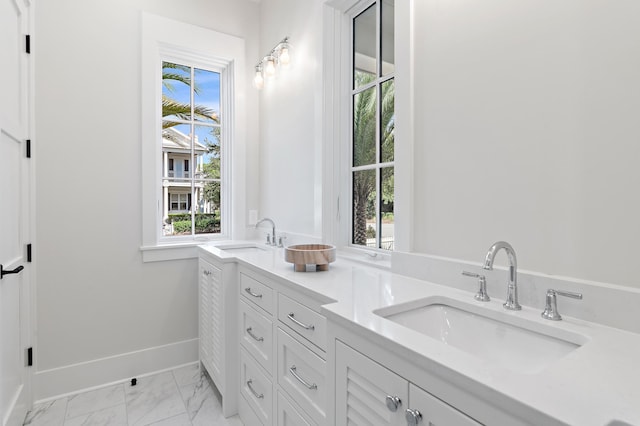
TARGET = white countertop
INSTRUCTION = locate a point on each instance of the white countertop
(593, 385)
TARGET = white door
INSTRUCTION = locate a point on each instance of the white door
(14, 211)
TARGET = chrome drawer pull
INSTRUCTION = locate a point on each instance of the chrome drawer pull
(259, 339)
(312, 386)
(260, 396)
(305, 326)
(248, 290)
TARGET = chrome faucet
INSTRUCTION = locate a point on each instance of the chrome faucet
(512, 288)
(270, 241)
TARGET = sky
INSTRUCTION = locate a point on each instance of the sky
(207, 83)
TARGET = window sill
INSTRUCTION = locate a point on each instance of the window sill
(368, 257)
(161, 253)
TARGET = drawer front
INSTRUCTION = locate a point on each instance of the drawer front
(257, 335)
(304, 321)
(257, 292)
(288, 415)
(302, 374)
(256, 388)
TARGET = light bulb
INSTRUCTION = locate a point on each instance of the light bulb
(258, 80)
(285, 59)
(270, 68)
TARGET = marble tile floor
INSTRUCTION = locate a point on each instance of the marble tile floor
(181, 397)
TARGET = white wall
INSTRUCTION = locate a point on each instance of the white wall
(291, 118)
(95, 297)
(526, 130)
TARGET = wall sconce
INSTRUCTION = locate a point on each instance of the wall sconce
(278, 56)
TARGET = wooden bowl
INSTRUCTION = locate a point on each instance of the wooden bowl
(302, 255)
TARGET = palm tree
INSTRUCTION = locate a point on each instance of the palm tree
(170, 107)
(364, 140)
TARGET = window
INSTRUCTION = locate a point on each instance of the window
(191, 133)
(372, 127)
(179, 202)
(192, 157)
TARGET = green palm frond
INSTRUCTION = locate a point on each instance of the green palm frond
(182, 111)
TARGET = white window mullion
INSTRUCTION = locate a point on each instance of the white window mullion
(192, 150)
(378, 210)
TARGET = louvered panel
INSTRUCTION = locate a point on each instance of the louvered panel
(205, 302)
(357, 408)
(367, 392)
(362, 386)
(354, 418)
(217, 323)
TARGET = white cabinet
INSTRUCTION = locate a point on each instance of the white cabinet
(368, 393)
(282, 341)
(217, 328)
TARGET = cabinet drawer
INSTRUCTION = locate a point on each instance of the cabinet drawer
(256, 388)
(288, 415)
(257, 292)
(302, 374)
(303, 320)
(257, 335)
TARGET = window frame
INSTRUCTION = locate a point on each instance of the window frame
(179, 56)
(338, 84)
(164, 39)
(378, 164)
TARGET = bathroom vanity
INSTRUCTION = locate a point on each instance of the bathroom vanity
(359, 343)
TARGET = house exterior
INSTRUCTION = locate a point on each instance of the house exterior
(180, 166)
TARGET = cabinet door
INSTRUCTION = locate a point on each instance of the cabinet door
(366, 392)
(205, 322)
(434, 412)
(211, 321)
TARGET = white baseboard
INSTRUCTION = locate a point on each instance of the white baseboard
(56, 382)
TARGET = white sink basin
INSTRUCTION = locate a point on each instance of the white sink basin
(241, 247)
(497, 337)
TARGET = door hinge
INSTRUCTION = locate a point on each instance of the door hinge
(28, 145)
(27, 46)
(30, 357)
(29, 252)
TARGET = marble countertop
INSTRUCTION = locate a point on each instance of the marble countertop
(596, 384)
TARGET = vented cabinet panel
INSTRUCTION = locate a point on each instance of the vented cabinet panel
(211, 321)
(362, 390)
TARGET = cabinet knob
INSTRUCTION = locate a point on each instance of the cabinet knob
(413, 417)
(393, 402)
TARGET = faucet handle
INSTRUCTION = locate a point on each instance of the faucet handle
(482, 294)
(551, 304)
(268, 240)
